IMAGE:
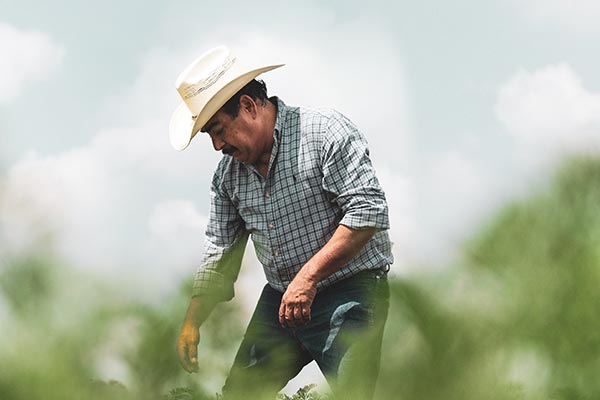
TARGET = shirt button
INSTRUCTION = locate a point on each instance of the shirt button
(271, 225)
(276, 252)
(267, 194)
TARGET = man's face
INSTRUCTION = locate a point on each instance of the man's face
(238, 137)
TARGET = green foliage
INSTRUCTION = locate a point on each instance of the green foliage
(59, 325)
(27, 283)
(518, 319)
(546, 254)
(515, 319)
(304, 393)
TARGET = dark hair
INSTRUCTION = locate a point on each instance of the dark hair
(257, 89)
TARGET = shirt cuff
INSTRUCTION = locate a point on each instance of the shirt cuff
(361, 221)
(212, 283)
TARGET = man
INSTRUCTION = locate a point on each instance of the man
(301, 183)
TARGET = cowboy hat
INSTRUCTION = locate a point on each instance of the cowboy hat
(205, 86)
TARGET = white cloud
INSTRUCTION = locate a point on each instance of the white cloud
(400, 193)
(455, 194)
(28, 57)
(173, 220)
(177, 232)
(47, 195)
(434, 208)
(152, 91)
(578, 16)
(459, 184)
(104, 205)
(549, 113)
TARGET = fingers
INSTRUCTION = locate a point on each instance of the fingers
(297, 314)
(289, 316)
(294, 315)
(193, 356)
(302, 314)
(182, 353)
(296, 302)
(306, 314)
(282, 314)
(187, 349)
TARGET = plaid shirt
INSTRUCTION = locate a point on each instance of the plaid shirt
(320, 176)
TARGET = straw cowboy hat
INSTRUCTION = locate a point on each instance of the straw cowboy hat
(205, 86)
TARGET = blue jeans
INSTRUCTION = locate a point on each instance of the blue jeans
(343, 337)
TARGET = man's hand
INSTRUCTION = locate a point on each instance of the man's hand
(187, 346)
(189, 336)
(341, 248)
(296, 302)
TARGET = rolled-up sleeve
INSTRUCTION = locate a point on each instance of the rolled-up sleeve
(224, 247)
(349, 176)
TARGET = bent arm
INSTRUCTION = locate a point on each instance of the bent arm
(296, 302)
(337, 252)
(224, 247)
(349, 176)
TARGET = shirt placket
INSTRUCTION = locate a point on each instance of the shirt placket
(270, 219)
(270, 211)
(271, 204)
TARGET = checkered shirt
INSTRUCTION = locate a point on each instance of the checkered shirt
(319, 176)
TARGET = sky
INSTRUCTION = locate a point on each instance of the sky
(465, 104)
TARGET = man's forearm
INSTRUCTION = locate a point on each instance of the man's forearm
(339, 250)
(300, 293)
(199, 309)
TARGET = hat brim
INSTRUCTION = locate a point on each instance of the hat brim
(183, 126)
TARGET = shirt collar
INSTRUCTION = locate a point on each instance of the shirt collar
(279, 121)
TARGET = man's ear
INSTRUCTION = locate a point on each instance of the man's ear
(247, 104)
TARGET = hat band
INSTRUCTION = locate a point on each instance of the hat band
(193, 89)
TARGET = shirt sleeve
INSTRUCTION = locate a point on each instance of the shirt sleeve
(349, 176)
(224, 247)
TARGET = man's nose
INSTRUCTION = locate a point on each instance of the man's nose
(218, 144)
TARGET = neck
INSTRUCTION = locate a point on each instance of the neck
(270, 115)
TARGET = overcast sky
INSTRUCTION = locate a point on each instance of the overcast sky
(465, 104)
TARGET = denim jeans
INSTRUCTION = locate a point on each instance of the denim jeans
(343, 337)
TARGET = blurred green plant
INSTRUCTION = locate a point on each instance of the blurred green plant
(518, 319)
(58, 323)
(545, 252)
(515, 319)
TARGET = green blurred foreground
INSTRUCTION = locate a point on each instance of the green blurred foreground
(516, 318)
